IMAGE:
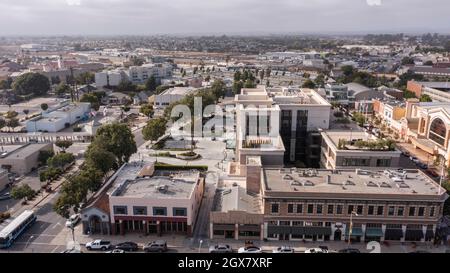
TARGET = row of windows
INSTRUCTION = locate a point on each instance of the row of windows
(157, 211)
(359, 209)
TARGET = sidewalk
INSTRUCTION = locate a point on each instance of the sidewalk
(44, 196)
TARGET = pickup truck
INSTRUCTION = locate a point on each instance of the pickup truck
(98, 245)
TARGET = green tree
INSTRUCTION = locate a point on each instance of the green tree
(218, 88)
(24, 192)
(147, 110)
(63, 144)
(237, 86)
(26, 112)
(425, 98)
(237, 76)
(126, 86)
(31, 83)
(161, 89)
(309, 84)
(60, 160)
(100, 159)
(85, 78)
(12, 123)
(249, 84)
(118, 139)
(93, 178)
(407, 60)
(62, 89)
(44, 106)
(91, 98)
(154, 129)
(151, 84)
(44, 155)
(11, 114)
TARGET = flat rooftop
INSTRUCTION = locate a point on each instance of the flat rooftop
(178, 91)
(21, 151)
(387, 182)
(161, 185)
(233, 196)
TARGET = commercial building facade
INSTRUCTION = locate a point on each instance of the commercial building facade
(316, 205)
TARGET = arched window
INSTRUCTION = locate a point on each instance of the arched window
(438, 131)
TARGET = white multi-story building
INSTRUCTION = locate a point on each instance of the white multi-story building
(58, 118)
(140, 74)
(109, 78)
(280, 125)
(172, 95)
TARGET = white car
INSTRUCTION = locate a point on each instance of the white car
(316, 250)
(283, 249)
(73, 220)
(249, 249)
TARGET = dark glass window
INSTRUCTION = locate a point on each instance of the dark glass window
(339, 209)
(421, 211)
(275, 208)
(391, 210)
(290, 208)
(310, 208)
(400, 211)
(350, 209)
(380, 210)
(179, 212)
(371, 210)
(120, 210)
(139, 210)
(438, 131)
(330, 209)
(299, 208)
(159, 211)
(412, 211)
(319, 209)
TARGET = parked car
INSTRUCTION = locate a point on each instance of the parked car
(5, 196)
(220, 249)
(98, 245)
(414, 159)
(422, 165)
(127, 246)
(249, 249)
(73, 220)
(283, 249)
(406, 153)
(316, 250)
(349, 250)
(156, 246)
(116, 251)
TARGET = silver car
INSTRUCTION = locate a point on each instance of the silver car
(220, 249)
(283, 249)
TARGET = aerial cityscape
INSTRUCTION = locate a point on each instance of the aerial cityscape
(196, 127)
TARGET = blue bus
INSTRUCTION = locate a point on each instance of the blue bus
(16, 227)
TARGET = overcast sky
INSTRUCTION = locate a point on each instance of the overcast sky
(72, 17)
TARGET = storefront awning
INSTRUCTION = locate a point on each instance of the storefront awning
(414, 233)
(356, 231)
(249, 228)
(223, 227)
(394, 233)
(374, 232)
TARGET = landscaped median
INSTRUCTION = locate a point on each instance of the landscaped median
(188, 156)
(165, 166)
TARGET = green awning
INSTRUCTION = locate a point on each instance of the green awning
(356, 231)
(374, 232)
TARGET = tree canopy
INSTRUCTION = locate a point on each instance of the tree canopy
(154, 129)
(31, 83)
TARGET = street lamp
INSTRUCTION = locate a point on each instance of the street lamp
(351, 227)
(200, 245)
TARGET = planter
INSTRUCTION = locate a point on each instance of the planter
(188, 156)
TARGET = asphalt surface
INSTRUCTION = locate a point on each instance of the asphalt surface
(41, 236)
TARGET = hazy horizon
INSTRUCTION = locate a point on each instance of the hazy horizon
(222, 17)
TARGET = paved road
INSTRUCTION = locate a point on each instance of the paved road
(46, 235)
